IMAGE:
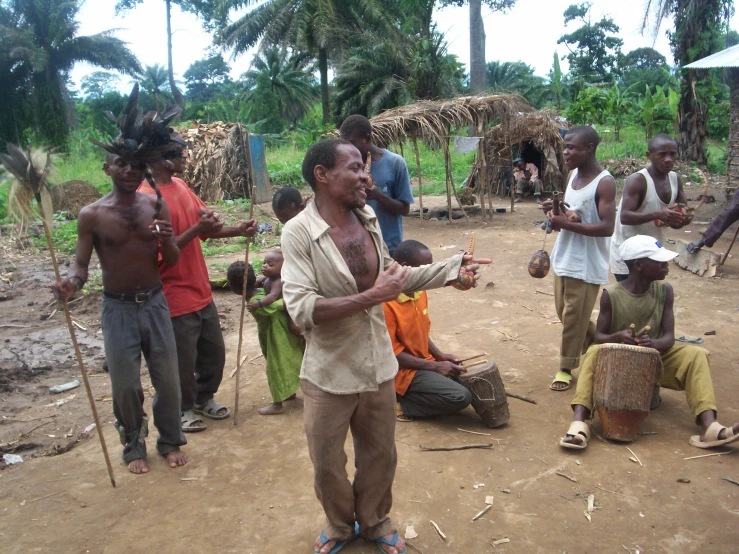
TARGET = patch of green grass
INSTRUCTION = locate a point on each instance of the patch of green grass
(63, 235)
(214, 247)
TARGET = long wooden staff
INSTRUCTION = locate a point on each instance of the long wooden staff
(246, 148)
(34, 184)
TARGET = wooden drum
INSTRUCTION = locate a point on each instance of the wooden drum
(488, 394)
(623, 382)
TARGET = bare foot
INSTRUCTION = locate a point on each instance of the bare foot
(560, 385)
(399, 546)
(273, 409)
(138, 466)
(574, 439)
(176, 458)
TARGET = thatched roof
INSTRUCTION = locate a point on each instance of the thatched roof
(431, 120)
(541, 128)
(217, 167)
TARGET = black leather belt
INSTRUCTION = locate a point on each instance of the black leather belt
(138, 297)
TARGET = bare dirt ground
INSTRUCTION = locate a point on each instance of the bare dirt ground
(249, 488)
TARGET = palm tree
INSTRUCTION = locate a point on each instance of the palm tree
(698, 33)
(322, 28)
(286, 78)
(152, 80)
(45, 47)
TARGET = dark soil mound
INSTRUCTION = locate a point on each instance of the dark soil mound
(72, 196)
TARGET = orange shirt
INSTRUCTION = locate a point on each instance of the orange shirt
(186, 285)
(409, 326)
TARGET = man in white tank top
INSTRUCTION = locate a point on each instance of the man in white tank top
(580, 255)
(648, 202)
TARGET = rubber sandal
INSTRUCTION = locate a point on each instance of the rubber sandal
(690, 340)
(712, 440)
(562, 377)
(339, 544)
(401, 417)
(392, 542)
(192, 424)
(210, 410)
(577, 428)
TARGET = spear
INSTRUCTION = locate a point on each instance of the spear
(249, 185)
(31, 182)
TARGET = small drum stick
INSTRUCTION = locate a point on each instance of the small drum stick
(631, 329)
(643, 331)
(472, 357)
(476, 363)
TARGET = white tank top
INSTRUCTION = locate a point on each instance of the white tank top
(575, 255)
(652, 203)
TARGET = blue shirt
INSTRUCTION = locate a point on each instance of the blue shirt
(390, 174)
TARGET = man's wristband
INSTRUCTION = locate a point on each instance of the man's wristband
(76, 285)
(259, 302)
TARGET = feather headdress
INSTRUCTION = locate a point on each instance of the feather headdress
(145, 138)
(31, 171)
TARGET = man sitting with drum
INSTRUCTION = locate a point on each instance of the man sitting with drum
(646, 300)
(425, 381)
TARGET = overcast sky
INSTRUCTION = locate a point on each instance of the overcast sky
(528, 33)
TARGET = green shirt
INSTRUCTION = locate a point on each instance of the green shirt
(639, 309)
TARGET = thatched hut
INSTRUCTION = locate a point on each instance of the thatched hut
(533, 136)
(434, 121)
(729, 60)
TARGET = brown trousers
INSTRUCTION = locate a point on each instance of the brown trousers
(574, 300)
(371, 417)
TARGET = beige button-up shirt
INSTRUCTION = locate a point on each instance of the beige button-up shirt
(353, 354)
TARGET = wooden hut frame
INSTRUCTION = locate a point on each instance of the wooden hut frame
(541, 129)
(434, 121)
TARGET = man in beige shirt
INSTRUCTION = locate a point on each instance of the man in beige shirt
(527, 179)
(336, 275)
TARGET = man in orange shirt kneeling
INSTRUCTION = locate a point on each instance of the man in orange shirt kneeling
(425, 382)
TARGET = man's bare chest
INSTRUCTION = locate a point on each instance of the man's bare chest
(360, 255)
(128, 226)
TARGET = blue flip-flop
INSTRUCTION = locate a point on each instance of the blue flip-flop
(339, 544)
(392, 542)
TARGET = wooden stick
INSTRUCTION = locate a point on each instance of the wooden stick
(47, 496)
(438, 530)
(708, 455)
(730, 480)
(246, 147)
(475, 364)
(76, 346)
(723, 260)
(644, 330)
(544, 292)
(614, 492)
(420, 183)
(482, 512)
(631, 329)
(635, 456)
(566, 476)
(450, 448)
(483, 168)
(445, 149)
(473, 432)
(520, 397)
(472, 357)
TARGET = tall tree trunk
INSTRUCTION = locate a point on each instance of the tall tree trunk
(176, 94)
(693, 115)
(732, 147)
(323, 69)
(477, 48)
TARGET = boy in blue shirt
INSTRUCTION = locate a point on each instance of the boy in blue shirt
(390, 197)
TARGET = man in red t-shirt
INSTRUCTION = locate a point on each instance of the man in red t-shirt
(201, 352)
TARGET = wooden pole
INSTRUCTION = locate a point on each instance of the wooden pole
(77, 352)
(723, 260)
(246, 148)
(483, 169)
(512, 183)
(420, 180)
(445, 147)
(454, 189)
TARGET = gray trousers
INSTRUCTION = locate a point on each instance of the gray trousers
(201, 355)
(524, 185)
(431, 394)
(130, 328)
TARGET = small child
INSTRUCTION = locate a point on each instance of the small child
(287, 202)
(282, 348)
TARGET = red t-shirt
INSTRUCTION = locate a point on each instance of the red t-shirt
(186, 285)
